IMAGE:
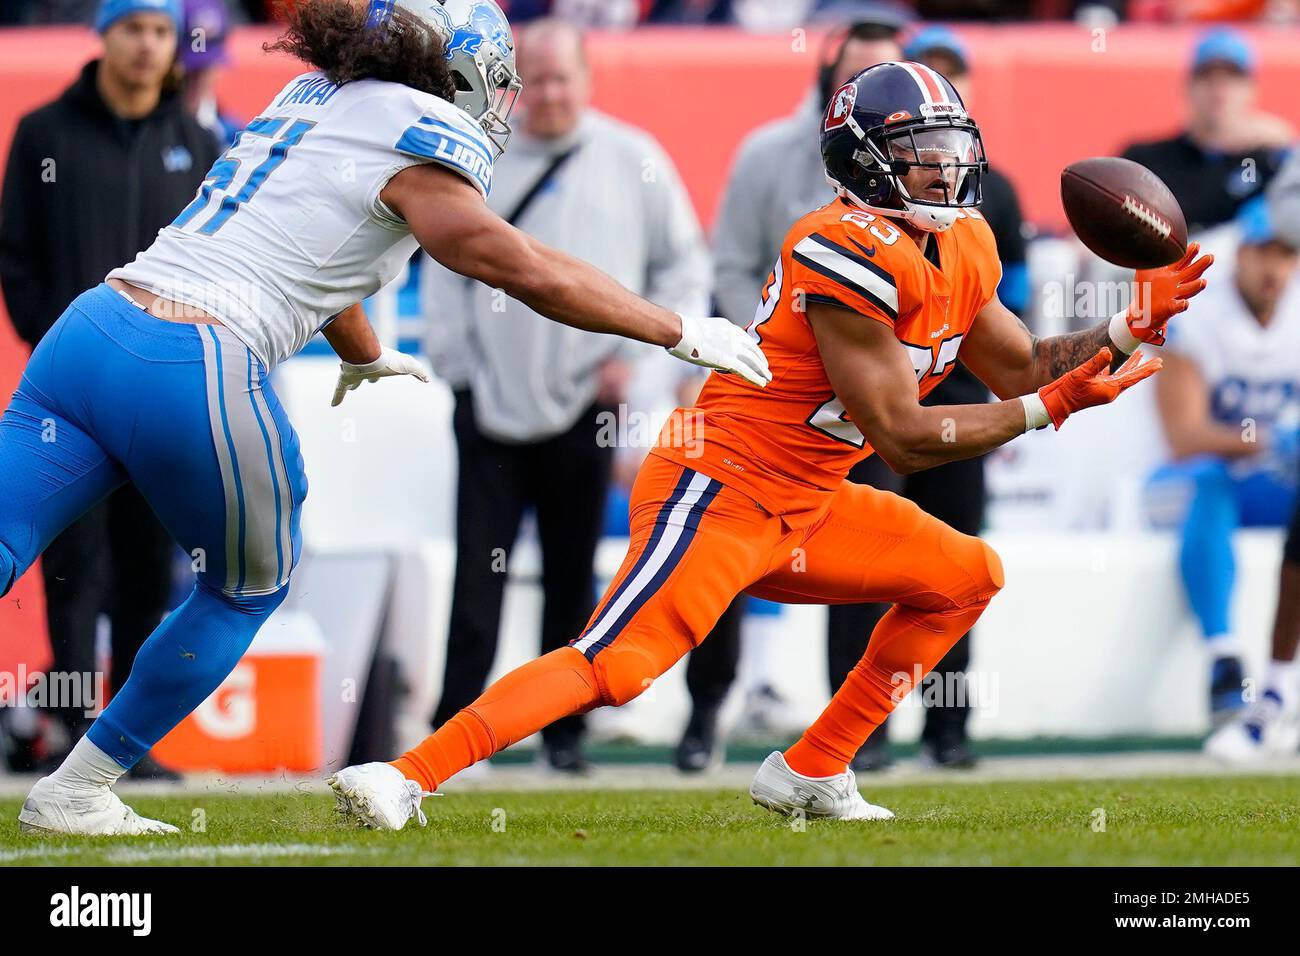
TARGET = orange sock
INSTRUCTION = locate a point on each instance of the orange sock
(905, 646)
(521, 703)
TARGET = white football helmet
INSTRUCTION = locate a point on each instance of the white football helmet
(481, 50)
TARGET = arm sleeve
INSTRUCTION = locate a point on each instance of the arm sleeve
(742, 256)
(22, 262)
(838, 270)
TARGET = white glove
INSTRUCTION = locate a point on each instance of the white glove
(390, 362)
(719, 344)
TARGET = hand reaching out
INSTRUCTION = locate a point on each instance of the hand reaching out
(1092, 384)
(390, 362)
(1159, 295)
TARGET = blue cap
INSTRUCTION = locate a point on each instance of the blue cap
(1255, 222)
(936, 37)
(110, 11)
(1223, 46)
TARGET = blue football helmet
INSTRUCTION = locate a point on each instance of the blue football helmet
(897, 141)
(478, 43)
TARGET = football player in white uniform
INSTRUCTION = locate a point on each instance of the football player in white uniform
(159, 376)
(1229, 400)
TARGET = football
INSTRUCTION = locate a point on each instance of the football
(1123, 212)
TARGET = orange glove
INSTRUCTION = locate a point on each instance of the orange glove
(1159, 295)
(1092, 383)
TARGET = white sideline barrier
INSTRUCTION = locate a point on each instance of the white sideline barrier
(1092, 635)
(381, 466)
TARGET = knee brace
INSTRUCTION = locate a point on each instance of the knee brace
(626, 668)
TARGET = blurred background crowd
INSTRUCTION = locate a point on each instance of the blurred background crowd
(761, 14)
(530, 405)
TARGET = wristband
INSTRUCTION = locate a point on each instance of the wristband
(1036, 415)
(1121, 336)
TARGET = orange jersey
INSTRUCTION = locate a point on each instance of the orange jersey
(791, 444)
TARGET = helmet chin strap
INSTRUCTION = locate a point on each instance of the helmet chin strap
(930, 218)
(924, 216)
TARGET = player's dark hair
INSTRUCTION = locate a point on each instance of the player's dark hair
(333, 36)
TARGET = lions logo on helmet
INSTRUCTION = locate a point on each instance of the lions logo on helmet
(486, 24)
(481, 51)
(897, 141)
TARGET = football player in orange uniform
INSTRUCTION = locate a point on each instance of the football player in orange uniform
(870, 303)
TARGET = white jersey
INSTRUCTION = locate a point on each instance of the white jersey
(1252, 371)
(288, 229)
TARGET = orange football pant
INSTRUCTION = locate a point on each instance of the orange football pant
(697, 543)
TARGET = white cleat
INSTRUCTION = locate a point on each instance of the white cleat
(55, 808)
(780, 789)
(376, 795)
(1262, 732)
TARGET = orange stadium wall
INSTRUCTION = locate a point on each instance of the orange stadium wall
(1045, 95)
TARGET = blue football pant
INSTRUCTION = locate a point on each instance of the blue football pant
(1220, 504)
(187, 414)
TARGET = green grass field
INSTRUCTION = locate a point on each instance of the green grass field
(1190, 821)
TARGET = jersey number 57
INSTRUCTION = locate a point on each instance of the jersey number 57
(273, 135)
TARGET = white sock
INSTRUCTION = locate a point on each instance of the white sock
(1281, 679)
(1223, 645)
(88, 768)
